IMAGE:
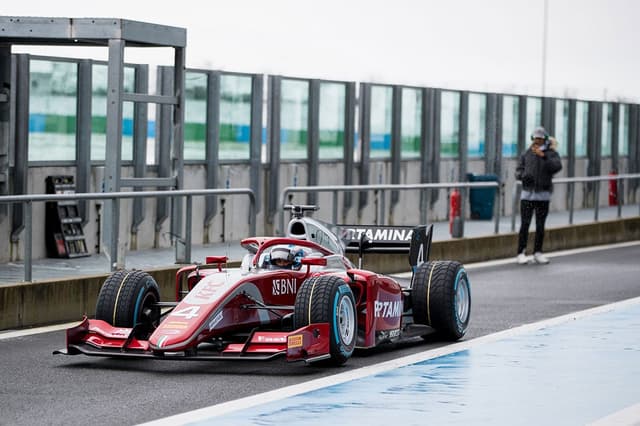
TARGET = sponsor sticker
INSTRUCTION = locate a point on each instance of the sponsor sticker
(284, 286)
(294, 341)
(270, 339)
(378, 234)
(121, 332)
(170, 332)
(215, 320)
(388, 334)
(118, 332)
(387, 309)
(178, 325)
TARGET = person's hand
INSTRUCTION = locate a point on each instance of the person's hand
(536, 149)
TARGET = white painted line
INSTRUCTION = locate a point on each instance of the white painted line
(629, 416)
(289, 391)
(37, 330)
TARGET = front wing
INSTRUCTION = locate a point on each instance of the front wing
(98, 338)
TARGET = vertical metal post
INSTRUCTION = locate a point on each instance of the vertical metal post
(396, 142)
(496, 210)
(620, 184)
(252, 214)
(334, 215)
(596, 204)
(434, 158)
(140, 131)
(280, 213)
(83, 134)
(615, 136)
(313, 137)
(257, 87)
(571, 144)
(349, 135)
(163, 143)
(212, 144)
(426, 149)
(463, 154)
(6, 123)
(177, 151)
(188, 227)
(273, 132)
(20, 174)
(112, 167)
(571, 201)
(28, 240)
(463, 141)
(514, 206)
(522, 124)
(491, 135)
(364, 111)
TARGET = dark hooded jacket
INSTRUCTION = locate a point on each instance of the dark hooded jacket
(536, 172)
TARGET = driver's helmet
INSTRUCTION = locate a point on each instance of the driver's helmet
(286, 257)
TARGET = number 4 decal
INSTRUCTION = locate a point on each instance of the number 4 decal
(188, 313)
(420, 259)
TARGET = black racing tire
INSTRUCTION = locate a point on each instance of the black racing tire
(126, 299)
(329, 299)
(441, 298)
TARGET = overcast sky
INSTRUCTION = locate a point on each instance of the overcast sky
(485, 45)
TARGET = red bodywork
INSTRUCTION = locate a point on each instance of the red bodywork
(245, 313)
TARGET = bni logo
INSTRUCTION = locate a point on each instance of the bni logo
(284, 286)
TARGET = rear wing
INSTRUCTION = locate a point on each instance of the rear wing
(416, 241)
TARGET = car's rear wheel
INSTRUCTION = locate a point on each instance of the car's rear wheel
(329, 299)
(127, 299)
(441, 298)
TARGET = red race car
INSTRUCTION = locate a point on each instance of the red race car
(297, 296)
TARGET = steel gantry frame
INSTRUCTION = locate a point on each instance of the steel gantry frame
(115, 34)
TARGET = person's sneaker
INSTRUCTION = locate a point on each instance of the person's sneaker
(522, 259)
(540, 258)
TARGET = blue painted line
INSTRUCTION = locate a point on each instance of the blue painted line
(573, 372)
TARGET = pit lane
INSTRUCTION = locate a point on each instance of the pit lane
(38, 388)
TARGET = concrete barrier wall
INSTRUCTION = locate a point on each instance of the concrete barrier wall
(49, 302)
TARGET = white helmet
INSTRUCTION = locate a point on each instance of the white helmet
(282, 257)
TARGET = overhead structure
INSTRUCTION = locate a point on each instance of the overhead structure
(115, 34)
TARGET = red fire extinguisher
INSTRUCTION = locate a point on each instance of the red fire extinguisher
(454, 214)
(613, 189)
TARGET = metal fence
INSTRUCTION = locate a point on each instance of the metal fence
(381, 188)
(181, 256)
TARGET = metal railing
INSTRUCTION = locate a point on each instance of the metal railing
(336, 189)
(571, 181)
(28, 200)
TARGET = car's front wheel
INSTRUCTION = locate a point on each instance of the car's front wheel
(330, 300)
(127, 299)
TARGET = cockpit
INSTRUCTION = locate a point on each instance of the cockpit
(289, 257)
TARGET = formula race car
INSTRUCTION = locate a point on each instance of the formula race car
(297, 296)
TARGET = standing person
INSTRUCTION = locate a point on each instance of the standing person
(535, 169)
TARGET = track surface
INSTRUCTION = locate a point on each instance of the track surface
(39, 388)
